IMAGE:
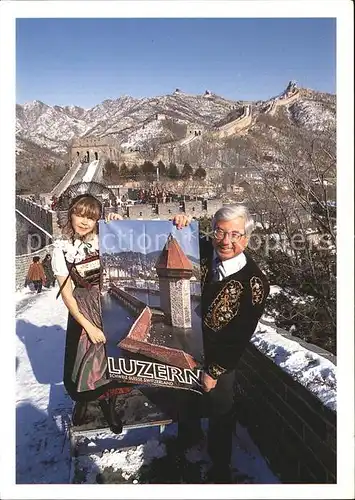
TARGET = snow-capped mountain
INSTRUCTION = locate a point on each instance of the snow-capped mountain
(316, 111)
(44, 132)
(54, 126)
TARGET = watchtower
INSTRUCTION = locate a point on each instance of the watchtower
(175, 271)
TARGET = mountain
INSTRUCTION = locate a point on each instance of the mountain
(44, 132)
(54, 126)
(127, 259)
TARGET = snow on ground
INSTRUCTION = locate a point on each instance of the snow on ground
(314, 372)
(42, 448)
(129, 461)
(313, 115)
(43, 408)
(150, 131)
(90, 171)
(248, 466)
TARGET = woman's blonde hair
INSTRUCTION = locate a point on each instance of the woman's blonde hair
(85, 206)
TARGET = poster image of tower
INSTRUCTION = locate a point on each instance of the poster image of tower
(150, 295)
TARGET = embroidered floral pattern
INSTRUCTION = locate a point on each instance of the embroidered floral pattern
(225, 306)
(257, 290)
(204, 271)
(215, 370)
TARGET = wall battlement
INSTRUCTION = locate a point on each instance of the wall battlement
(93, 148)
(294, 430)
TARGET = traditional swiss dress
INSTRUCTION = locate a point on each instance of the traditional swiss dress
(85, 363)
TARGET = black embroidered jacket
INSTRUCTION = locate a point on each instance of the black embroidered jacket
(231, 309)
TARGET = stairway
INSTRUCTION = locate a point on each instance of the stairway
(80, 172)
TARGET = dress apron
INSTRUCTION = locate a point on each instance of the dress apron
(85, 363)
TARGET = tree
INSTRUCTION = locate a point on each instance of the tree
(187, 171)
(135, 172)
(150, 148)
(111, 172)
(162, 168)
(297, 236)
(173, 172)
(147, 171)
(200, 173)
(124, 172)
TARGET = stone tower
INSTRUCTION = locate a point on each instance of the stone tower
(175, 270)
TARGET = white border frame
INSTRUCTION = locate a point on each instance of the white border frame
(340, 9)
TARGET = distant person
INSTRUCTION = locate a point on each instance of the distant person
(36, 275)
(54, 201)
(47, 266)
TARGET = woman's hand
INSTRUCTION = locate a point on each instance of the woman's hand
(95, 335)
(181, 220)
(113, 216)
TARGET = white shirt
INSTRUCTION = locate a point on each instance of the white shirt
(230, 266)
(74, 251)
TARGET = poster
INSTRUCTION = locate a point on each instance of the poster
(150, 295)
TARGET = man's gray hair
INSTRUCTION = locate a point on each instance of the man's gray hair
(230, 212)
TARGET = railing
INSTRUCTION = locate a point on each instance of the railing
(37, 215)
(66, 180)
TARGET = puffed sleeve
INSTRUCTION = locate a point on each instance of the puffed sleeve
(59, 266)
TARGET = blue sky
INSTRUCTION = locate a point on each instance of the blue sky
(146, 236)
(84, 61)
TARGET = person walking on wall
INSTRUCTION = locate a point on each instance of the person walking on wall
(47, 266)
(36, 275)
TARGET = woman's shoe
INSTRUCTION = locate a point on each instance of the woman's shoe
(109, 410)
(79, 412)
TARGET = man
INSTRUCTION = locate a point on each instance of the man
(234, 291)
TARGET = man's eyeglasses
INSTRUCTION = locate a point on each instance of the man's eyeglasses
(234, 236)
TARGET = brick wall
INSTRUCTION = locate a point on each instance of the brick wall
(141, 211)
(23, 263)
(294, 431)
(194, 208)
(168, 210)
(212, 206)
(39, 215)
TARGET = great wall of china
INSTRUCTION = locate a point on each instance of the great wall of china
(88, 155)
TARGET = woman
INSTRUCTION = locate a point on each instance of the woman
(76, 264)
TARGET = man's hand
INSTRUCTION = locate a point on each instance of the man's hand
(113, 216)
(96, 335)
(208, 383)
(181, 220)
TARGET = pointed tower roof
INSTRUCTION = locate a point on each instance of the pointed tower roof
(173, 257)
